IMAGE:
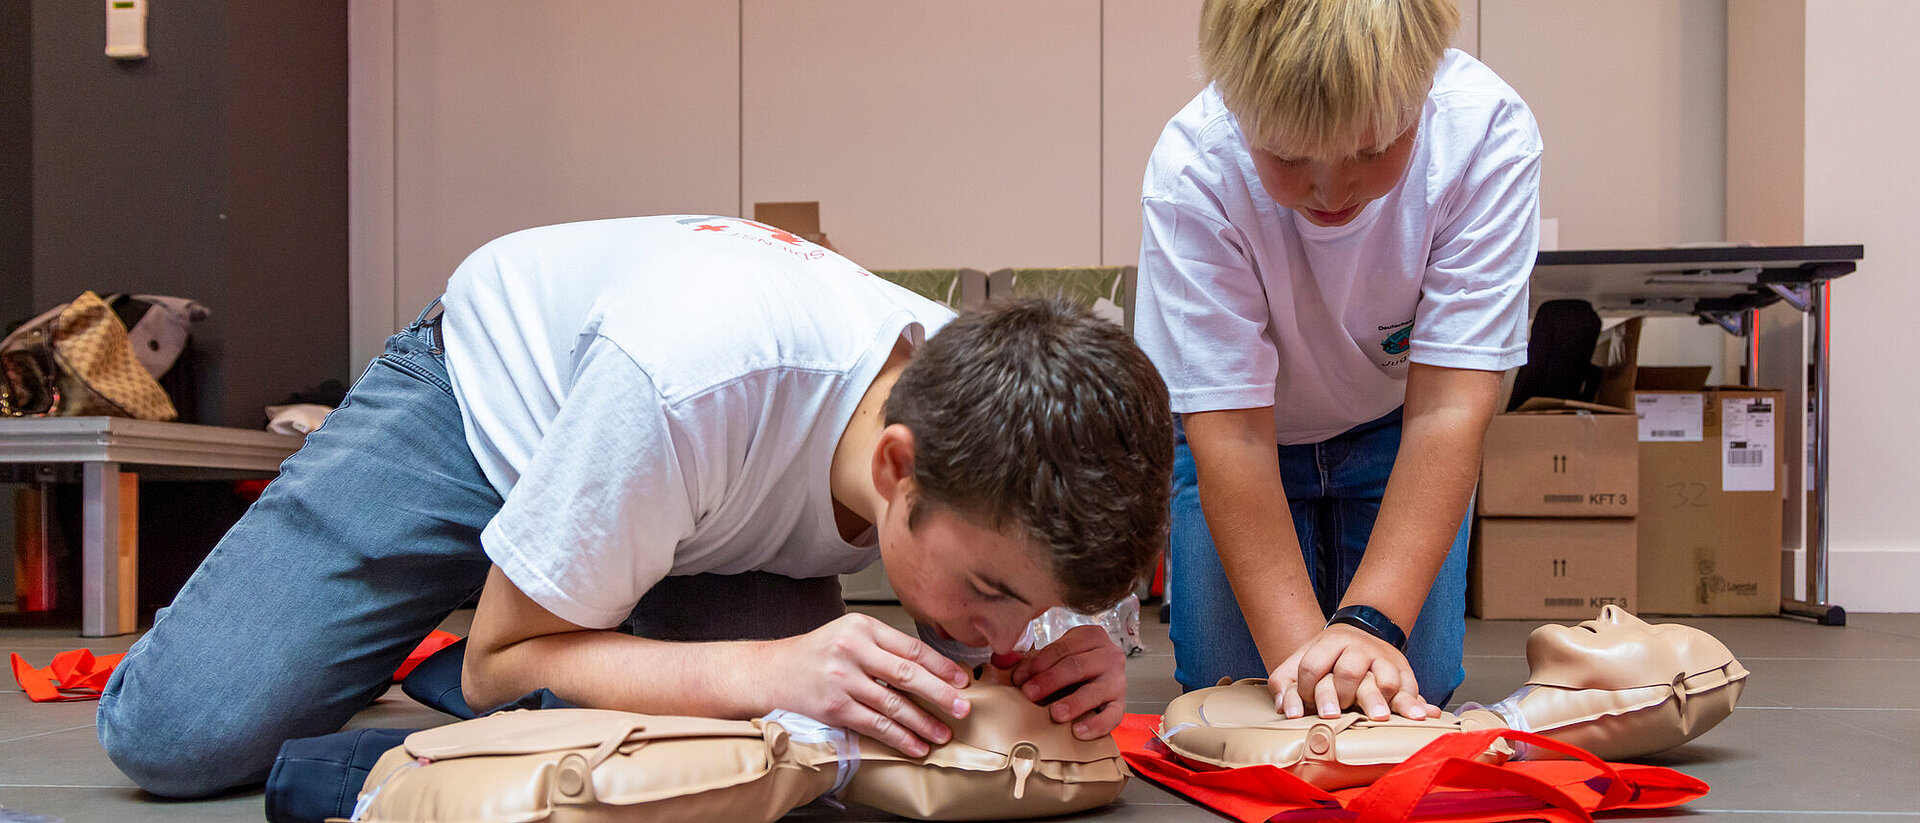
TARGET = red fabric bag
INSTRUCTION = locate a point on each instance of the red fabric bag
(1441, 782)
(73, 675)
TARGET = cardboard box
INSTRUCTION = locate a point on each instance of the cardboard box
(1551, 568)
(1561, 459)
(1711, 482)
(801, 218)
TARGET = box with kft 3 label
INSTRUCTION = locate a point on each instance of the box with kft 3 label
(1550, 568)
(1561, 458)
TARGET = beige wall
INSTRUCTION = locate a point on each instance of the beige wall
(1631, 100)
(933, 134)
(1861, 114)
(1820, 103)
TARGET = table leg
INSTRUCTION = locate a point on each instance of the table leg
(1816, 605)
(109, 550)
(33, 567)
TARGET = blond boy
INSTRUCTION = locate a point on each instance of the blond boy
(1333, 274)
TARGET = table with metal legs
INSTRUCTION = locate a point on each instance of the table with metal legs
(1728, 286)
(110, 455)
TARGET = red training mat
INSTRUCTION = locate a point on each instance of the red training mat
(73, 675)
(1440, 782)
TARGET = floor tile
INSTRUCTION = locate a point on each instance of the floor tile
(127, 805)
(1797, 761)
(1900, 727)
(1904, 625)
(65, 758)
(21, 718)
(1759, 637)
(1877, 683)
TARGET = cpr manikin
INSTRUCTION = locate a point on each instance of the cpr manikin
(1006, 759)
(1615, 686)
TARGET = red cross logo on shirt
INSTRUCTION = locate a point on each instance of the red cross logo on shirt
(710, 227)
(779, 234)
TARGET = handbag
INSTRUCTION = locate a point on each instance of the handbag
(74, 361)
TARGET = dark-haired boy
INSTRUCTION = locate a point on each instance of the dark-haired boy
(689, 425)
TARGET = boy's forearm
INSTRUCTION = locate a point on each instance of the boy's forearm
(1246, 511)
(1434, 474)
(612, 670)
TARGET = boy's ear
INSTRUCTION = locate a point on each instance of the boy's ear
(893, 461)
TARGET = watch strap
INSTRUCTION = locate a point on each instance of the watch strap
(1372, 621)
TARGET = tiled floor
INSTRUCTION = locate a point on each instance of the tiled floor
(1828, 729)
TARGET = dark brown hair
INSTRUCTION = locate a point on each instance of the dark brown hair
(1037, 415)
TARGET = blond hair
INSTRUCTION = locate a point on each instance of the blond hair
(1312, 76)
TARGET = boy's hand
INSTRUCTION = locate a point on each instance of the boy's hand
(856, 672)
(1343, 666)
(1087, 665)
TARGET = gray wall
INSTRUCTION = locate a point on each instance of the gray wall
(16, 158)
(16, 199)
(215, 169)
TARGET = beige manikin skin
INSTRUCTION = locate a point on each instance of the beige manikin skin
(1007, 760)
(1615, 686)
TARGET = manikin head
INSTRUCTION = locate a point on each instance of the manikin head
(1026, 463)
(1620, 651)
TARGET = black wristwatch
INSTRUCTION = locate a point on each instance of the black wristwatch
(1369, 619)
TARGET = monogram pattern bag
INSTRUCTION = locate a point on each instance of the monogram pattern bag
(74, 361)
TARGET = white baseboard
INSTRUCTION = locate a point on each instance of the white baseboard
(1874, 581)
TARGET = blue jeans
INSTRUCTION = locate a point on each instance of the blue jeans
(369, 537)
(1333, 490)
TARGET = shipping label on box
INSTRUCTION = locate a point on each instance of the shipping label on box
(1566, 463)
(1670, 418)
(1746, 438)
(1551, 568)
(1710, 526)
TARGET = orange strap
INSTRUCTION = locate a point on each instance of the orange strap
(73, 675)
(1443, 781)
(436, 640)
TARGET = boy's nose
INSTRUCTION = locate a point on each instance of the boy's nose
(1002, 634)
(1334, 187)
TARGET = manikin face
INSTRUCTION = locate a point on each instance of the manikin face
(1619, 651)
(1331, 191)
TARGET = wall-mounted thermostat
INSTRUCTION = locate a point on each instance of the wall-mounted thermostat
(127, 29)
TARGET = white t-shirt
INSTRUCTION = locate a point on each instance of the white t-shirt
(1243, 303)
(662, 396)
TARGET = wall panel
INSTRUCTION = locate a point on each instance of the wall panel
(1150, 69)
(509, 114)
(933, 135)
